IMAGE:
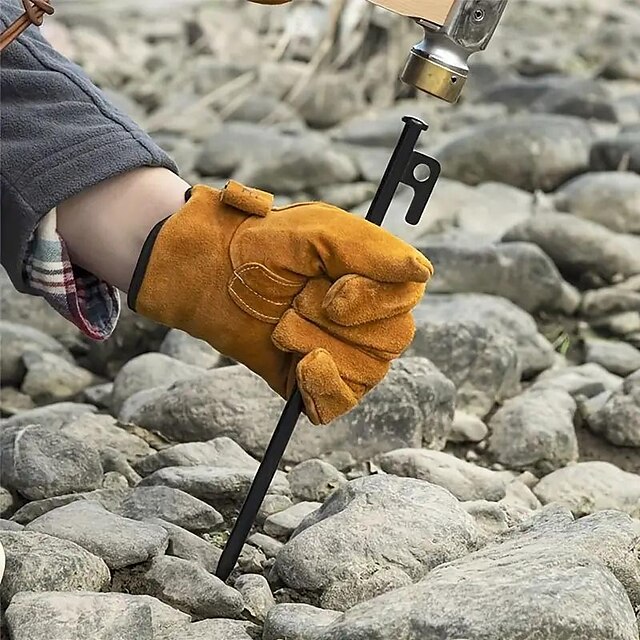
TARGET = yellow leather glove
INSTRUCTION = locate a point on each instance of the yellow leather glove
(306, 292)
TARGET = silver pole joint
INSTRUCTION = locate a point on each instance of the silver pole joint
(439, 64)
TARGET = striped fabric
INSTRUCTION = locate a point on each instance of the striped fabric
(88, 302)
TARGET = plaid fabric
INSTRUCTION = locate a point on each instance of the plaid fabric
(88, 302)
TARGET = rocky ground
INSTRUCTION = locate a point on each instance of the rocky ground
(489, 488)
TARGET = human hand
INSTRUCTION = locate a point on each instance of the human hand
(306, 293)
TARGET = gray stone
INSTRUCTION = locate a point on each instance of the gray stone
(183, 585)
(341, 595)
(615, 153)
(534, 431)
(412, 405)
(268, 545)
(314, 480)
(283, 523)
(188, 546)
(520, 272)
(37, 562)
(181, 346)
(52, 416)
(612, 300)
(611, 199)
(464, 480)
(146, 372)
(114, 479)
(279, 78)
(211, 72)
(222, 487)
(51, 378)
(270, 159)
(498, 314)
(618, 357)
(553, 578)
(296, 621)
(587, 487)
(82, 615)
(370, 161)
(39, 463)
(117, 469)
(583, 101)
(252, 560)
(530, 152)
(219, 452)
(519, 494)
(172, 505)
(182, 115)
(8, 503)
(483, 364)
(98, 395)
(625, 326)
(374, 128)
(295, 165)
(222, 153)
(492, 208)
(328, 100)
(271, 505)
(35, 312)
(520, 93)
(120, 542)
(103, 432)
(257, 596)
(618, 419)
(109, 498)
(133, 336)
(612, 48)
(580, 247)
(9, 525)
(367, 527)
(467, 428)
(258, 107)
(347, 196)
(587, 380)
(481, 214)
(13, 401)
(17, 340)
(214, 628)
(495, 519)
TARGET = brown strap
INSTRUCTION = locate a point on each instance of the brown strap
(34, 11)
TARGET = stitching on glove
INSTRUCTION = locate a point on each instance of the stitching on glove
(272, 276)
(263, 271)
(278, 304)
(247, 307)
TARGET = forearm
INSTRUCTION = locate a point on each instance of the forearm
(105, 226)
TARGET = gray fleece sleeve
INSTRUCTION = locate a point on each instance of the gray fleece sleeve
(60, 135)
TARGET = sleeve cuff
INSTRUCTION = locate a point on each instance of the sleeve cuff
(89, 303)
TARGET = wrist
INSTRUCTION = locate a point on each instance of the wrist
(105, 226)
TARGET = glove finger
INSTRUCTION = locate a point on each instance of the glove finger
(331, 241)
(326, 396)
(295, 334)
(386, 338)
(355, 300)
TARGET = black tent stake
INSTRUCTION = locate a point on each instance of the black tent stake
(401, 169)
